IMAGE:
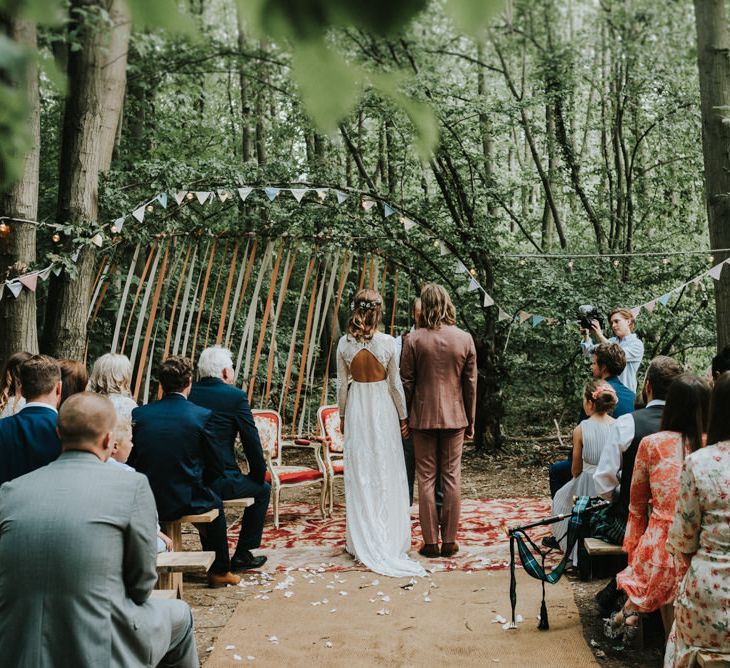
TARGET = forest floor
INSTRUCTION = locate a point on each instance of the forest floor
(518, 471)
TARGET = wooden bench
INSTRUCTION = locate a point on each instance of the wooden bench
(708, 659)
(172, 565)
(595, 547)
(245, 502)
(164, 594)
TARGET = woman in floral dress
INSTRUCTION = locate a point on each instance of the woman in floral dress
(650, 580)
(700, 536)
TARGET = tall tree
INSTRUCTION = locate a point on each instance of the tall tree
(84, 142)
(713, 46)
(18, 316)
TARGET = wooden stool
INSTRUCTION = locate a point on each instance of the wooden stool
(171, 566)
(709, 659)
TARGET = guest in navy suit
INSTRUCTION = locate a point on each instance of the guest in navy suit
(28, 439)
(232, 416)
(173, 448)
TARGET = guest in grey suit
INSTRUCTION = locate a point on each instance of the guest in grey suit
(77, 559)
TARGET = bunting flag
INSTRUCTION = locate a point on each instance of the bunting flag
(180, 196)
(635, 311)
(443, 248)
(298, 193)
(272, 193)
(139, 214)
(45, 273)
(473, 285)
(223, 195)
(341, 197)
(408, 224)
(536, 320)
(488, 301)
(29, 281)
(202, 196)
(117, 225)
(162, 199)
(523, 315)
(57, 269)
(387, 210)
(650, 306)
(75, 255)
(244, 193)
(716, 271)
(97, 240)
(503, 315)
(664, 299)
(16, 287)
(368, 204)
(460, 268)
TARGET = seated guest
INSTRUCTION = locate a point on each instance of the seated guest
(173, 448)
(617, 462)
(232, 416)
(11, 399)
(77, 559)
(29, 440)
(75, 378)
(609, 361)
(589, 439)
(121, 449)
(721, 363)
(650, 580)
(700, 536)
(112, 377)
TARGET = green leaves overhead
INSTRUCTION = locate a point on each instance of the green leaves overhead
(473, 16)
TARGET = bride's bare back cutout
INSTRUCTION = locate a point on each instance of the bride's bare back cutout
(365, 368)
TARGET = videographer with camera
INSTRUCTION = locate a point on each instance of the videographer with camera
(622, 324)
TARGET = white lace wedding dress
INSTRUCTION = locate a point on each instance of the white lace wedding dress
(376, 488)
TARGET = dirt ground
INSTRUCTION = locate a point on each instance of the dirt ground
(519, 470)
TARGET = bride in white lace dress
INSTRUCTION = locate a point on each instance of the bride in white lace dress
(376, 488)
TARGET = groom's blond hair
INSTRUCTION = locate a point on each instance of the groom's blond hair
(436, 306)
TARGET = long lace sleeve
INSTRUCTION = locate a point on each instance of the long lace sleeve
(395, 386)
(343, 376)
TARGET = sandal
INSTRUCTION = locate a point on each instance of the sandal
(623, 625)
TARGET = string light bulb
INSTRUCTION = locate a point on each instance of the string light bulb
(712, 259)
(523, 263)
(114, 229)
(665, 260)
(4, 230)
(473, 272)
(570, 265)
(189, 196)
(150, 208)
(56, 238)
(615, 263)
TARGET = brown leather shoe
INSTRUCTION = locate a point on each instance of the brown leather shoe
(449, 549)
(217, 580)
(430, 550)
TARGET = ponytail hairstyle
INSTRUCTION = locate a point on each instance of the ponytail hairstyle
(601, 395)
(367, 311)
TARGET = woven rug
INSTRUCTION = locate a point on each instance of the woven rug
(305, 540)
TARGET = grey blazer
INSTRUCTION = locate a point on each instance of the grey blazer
(77, 565)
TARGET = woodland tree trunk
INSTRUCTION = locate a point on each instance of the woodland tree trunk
(713, 55)
(90, 92)
(246, 141)
(18, 316)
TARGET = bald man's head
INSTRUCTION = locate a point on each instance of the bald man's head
(85, 421)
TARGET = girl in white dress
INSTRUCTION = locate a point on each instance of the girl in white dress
(589, 439)
(376, 488)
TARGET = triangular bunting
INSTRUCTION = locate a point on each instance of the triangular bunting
(16, 287)
(635, 311)
(30, 281)
(503, 315)
(244, 193)
(162, 199)
(664, 299)
(298, 193)
(368, 204)
(387, 210)
(459, 268)
(75, 255)
(223, 195)
(341, 197)
(650, 306)
(57, 269)
(322, 193)
(524, 315)
(272, 193)
(139, 214)
(97, 240)
(488, 301)
(45, 273)
(443, 248)
(716, 271)
(117, 225)
(408, 224)
(473, 285)
(536, 320)
(202, 196)
(180, 196)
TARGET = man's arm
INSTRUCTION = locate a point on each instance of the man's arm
(213, 463)
(251, 441)
(606, 476)
(469, 387)
(633, 349)
(408, 370)
(140, 544)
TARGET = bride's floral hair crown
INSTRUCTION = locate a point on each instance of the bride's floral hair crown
(365, 304)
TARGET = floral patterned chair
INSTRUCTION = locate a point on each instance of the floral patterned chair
(334, 447)
(268, 423)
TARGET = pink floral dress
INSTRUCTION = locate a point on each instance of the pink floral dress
(701, 529)
(651, 578)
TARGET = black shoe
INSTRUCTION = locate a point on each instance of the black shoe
(608, 598)
(551, 543)
(245, 561)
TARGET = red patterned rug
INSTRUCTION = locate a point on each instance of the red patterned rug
(305, 540)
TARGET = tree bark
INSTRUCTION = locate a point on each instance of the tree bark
(18, 316)
(713, 51)
(246, 140)
(89, 94)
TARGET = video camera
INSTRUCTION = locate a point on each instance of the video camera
(586, 313)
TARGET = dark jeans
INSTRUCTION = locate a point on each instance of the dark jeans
(560, 474)
(252, 522)
(410, 458)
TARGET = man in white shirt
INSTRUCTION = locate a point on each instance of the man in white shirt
(622, 324)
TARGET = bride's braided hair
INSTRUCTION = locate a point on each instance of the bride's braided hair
(367, 310)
